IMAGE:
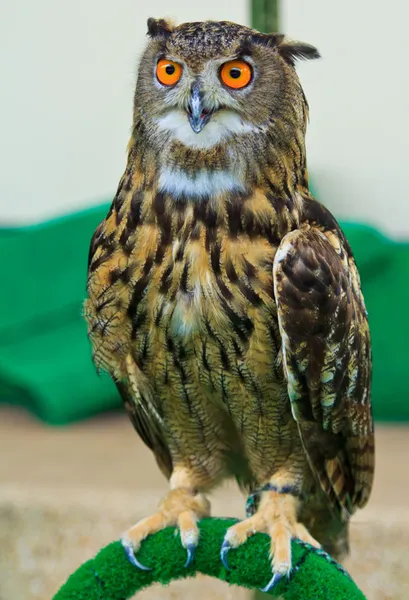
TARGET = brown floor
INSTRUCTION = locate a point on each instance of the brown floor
(79, 487)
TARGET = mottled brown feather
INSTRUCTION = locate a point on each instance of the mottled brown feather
(327, 356)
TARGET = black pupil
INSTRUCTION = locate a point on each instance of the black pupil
(170, 69)
(235, 73)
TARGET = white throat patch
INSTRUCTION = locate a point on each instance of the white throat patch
(203, 183)
(222, 125)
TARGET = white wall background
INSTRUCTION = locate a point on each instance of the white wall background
(358, 139)
(67, 74)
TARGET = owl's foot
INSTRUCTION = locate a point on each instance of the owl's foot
(276, 516)
(181, 508)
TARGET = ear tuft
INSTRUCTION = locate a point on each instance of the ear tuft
(269, 40)
(292, 51)
(159, 27)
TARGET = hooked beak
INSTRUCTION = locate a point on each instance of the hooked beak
(198, 116)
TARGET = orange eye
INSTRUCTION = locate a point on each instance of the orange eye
(168, 72)
(236, 74)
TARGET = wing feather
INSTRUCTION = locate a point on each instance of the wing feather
(145, 427)
(327, 361)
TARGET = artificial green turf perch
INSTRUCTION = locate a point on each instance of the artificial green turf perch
(110, 576)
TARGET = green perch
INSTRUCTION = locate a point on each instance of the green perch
(110, 576)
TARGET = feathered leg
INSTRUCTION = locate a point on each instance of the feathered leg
(182, 507)
(277, 515)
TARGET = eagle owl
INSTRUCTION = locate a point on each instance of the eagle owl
(225, 302)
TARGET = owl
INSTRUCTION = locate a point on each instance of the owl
(224, 300)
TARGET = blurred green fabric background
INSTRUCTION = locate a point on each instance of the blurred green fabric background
(45, 356)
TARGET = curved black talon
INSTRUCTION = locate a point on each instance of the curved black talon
(223, 554)
(276, 578)
(190, 549)
(131, 556)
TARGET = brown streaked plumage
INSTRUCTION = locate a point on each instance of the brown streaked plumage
(225, 302)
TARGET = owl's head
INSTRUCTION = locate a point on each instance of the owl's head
(203, 83)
